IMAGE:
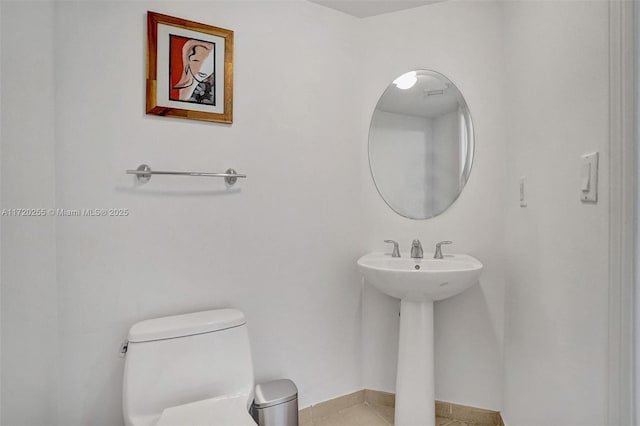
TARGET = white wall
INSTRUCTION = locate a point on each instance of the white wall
(29, 308)
(556, 258)
(463, 40)
(282, 247)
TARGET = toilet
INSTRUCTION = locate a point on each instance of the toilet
(189, 370)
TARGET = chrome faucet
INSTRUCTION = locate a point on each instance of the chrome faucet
(396, 250)
(438, 254)
(416, 249)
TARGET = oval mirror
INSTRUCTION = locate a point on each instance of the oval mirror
(421, 144)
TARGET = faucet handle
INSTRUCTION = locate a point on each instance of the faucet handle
(396, 250)
(438, 254)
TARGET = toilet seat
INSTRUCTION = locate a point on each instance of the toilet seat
(221, 411)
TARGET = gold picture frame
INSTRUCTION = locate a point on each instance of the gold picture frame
(185, 60)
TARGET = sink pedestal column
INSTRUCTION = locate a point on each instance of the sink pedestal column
(415, 396)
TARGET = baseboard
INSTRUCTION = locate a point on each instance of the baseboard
(502, 423)
(463, 413)
(307, 415)
(466, 414)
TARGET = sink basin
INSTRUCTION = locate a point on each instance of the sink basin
(418, 283)
(420, 280)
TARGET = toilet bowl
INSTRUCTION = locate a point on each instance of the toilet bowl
(192, 369)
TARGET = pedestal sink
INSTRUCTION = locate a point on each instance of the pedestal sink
(417, 283)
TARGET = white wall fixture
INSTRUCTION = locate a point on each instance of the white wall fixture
(589, 178)
(418, 283)
(523, 191)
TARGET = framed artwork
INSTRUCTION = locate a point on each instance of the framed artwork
(189, 69)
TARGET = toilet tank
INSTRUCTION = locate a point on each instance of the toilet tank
(185, 358)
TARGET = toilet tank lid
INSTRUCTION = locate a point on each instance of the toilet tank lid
(185, 325)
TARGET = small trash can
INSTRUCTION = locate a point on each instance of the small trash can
(276, 403)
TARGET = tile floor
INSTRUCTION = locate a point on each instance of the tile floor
(369, 415)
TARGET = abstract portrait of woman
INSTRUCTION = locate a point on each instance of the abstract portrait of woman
(191, 70)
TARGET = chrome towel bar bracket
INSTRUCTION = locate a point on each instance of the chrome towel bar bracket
(143, 174)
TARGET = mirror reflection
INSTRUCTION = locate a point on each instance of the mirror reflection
(421, 144)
